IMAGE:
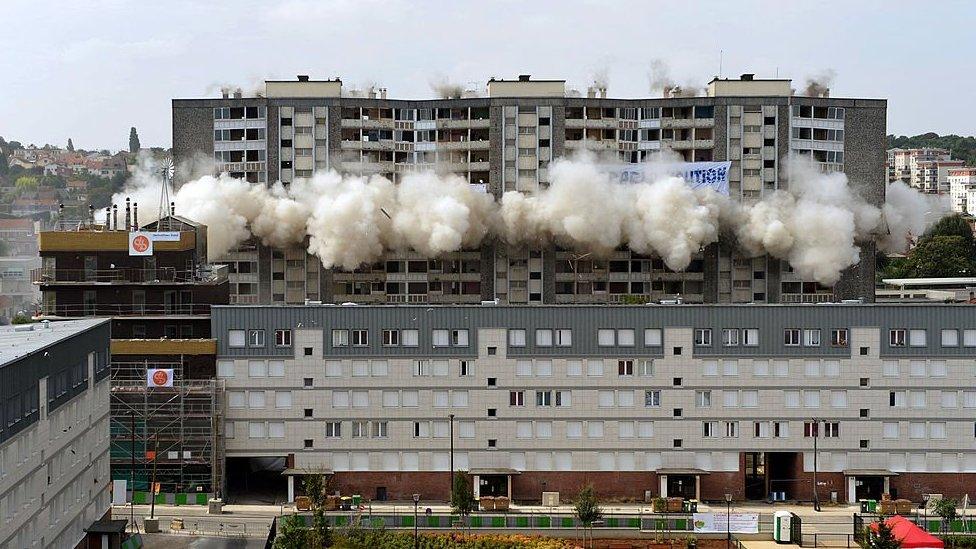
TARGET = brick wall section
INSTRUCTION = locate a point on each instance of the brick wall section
(192, 137)
(950, 485)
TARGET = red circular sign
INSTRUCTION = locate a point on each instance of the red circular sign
(140, 243)
(160, 377)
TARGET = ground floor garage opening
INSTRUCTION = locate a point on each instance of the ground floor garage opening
(255, 480)
(783, 472)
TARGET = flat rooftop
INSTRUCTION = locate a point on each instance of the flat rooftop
(18, 341)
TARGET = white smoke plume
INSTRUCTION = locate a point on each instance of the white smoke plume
(819, 84)
(817, 225)
(660, 81)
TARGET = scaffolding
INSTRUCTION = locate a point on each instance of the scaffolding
(175, 427)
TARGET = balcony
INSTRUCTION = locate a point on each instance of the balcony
(212, 274)
(72, 310)
(241, 166)
(807, 298)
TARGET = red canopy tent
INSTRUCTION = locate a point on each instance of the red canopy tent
(910, 536)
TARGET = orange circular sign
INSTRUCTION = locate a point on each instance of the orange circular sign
(140, 243)
(160, 377)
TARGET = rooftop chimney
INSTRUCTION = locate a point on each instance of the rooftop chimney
(115, 217)
(524, 77)
(382, 93)
(128, 213)
(238, 94)
(747, 76)
(224, 93)
(603, 92)
(135, 216)
(303, 78)
(372, 93)
(591, 92)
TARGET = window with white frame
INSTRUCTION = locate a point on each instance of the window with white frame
(543, 338)
(516, 338)
(465, 368)
(257, 368)
(889, 368)
(282, 399)
(523, 429)
(340, 399)
(421, 367)
(360, 338)
(625, 367)
(440, 429)
(703, 337)
(750, 337)
(282, 338)
(333, 368)
(605, 399)
(896, 338)
(916, 368)
(626, 429)
(380, 429)
(811, 337)
(781, 368)
(838, 337)
(360, 368)
(889, 429)
(391, 399)
(838, 398)
(236, 338)
(564, 338)
(730, 367)
(340, 338)
(703, 399)
(440, 368)
(760, 429)
(440, 399)
(574, 429)
(410, 338)
(730, 399)
(917, 399)
(594, 367)
(391, 338)
(831, 368)
(709, 429)
(811, 399)
(543, 398)
(917, 338)
(950, 399)
(543, 429)
(937, 368)
(969, 399)
(563, 398)
(574, 368)
(378, 368)
(791, 399)
(897, 399)
(760, 368)
(236, 399)
(781, 429)
(652, 398)
(731, 429)
(459, 338)
(256, 429)
(606, 338)
(255, 338)
(645, 429)
(225, 368)
(360, 429)
(421, 429)
(811, 368)
(730, 337)
(360, 399)
(543, 368)
(937, 429)
(410, 399)
(710, 368)
(950, 338)
(516, 398)
(523, 367)
(625, 399)
(652, 337)
(916, 429)
(791, 337)
(333, 429)
(625, 337)
(750, 398)
(440, 338)
(466, 429)
(594, 429)
(276, 368)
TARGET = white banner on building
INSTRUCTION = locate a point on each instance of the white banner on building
(708, 175)
(140, 243)
(166, 236)
(118, 491)
(159, 377)
(737, 523)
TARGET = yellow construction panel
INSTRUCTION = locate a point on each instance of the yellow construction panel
(104, 241)
(164, 346)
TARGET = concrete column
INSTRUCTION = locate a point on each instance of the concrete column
(663, 491)
(887, 485)
(508, 478)
(851, 490)
(291, 489)
(698, 487)
(477, 486)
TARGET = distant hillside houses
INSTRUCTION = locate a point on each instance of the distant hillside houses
(64, 163)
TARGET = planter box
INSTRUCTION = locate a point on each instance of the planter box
(903, 506)
(502, 503)
(675, 505)
(303, 503)
(486, 503)
(886, 507)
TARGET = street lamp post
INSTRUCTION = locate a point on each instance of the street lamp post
(815, 432)
(416, 540)
(728, 520)
(451, 417)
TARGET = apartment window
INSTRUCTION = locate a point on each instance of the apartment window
(464, 368)
(516, 338)
(916, 430)
(379, 429)
(236, 338)
(360, 429)
(333, 429)
(606, 338)
(703, 337)
(421, 367)
(916, 338)
(969, 338)
(676, 443)
(440, 338)
(543, 398)
(838, 338)
(594, 429)
(308, 382)
(360, 338)
(543, 338)
(791, 337)
(897, 399)
(937, 430)
(564, 338)
(889, 429)
(811, 338)
(750, 337)
(421, 429)
(896, 338)
(730, 337)
(391, 338)
(703, 399)
(625, 338)
(950, 338)
(283, 399)
(543, 368)
(652, 398)
(340, 338)
(647, 367)
(282, 338)
(516, 398)
(730, 368)
(864, 444)
(709, 429)
(594, 367)
(811, 368)
(257, 368)
(564, 398)
(307, 351)
(625, 367)
(459, 338)
(781, 429)
(225, 368)
(652, 337)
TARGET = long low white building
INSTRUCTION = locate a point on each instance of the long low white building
(54, 432)
(690, 400)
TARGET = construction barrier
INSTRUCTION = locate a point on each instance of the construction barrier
(193, 498)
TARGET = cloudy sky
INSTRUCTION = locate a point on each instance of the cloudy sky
(91, 69)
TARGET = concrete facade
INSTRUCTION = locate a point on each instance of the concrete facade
(54, 432)
(696, 400)
(506, 141)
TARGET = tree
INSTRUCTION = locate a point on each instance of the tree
(883, 537)
(292, 533)
(319, 536)
(26, 184)
(462, 498)
(21, 318)
(586, 507)
(939, 257)
(946, 509)
(71, 146)
(953, 225)
(133, 140)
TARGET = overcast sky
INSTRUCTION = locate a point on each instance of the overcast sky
(91, 69)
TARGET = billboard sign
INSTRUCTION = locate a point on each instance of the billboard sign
(720, 523)
(140, 243)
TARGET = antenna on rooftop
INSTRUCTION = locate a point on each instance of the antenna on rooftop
(166, 173)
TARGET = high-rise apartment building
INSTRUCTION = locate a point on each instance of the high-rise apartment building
(54, 432)
(506, 141)
(675, 400)
(962, 189)
(926, 169)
